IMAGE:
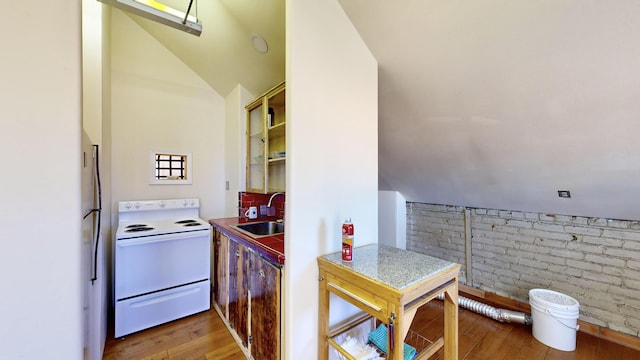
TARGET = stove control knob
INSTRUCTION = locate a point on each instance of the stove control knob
(137, 205)
(184, 202)
(127, 205)
(192, 202)
(163, 203)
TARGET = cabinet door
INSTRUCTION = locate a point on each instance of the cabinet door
(264, 286)
(256, 148)
(276, 140)
(238, 290)
(221, 282)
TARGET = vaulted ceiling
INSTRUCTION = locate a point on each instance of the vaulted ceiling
(223, 55)
(488, 103)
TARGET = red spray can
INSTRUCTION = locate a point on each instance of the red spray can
(347, 240)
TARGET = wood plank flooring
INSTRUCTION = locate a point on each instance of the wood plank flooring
(200, 336)
(203, 336)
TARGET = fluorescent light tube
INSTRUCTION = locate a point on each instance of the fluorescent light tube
(158, 12)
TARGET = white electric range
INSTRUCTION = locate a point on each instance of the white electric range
(162, 263)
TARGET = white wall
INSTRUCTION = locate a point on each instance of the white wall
(235, 146)
(501, 104)
(40, 234)
(392, 219)
(332, 165)
(158, 103)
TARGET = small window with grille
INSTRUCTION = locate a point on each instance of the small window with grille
(170, 168)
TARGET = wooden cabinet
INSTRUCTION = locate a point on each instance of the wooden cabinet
(264, 289)
(238, 290)
(247, 296)
(221, 272)
(266, 142)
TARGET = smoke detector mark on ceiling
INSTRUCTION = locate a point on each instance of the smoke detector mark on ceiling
(259, 43)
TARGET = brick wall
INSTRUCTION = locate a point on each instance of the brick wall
(594, 260)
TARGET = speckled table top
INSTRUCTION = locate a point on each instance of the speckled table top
(391, 266)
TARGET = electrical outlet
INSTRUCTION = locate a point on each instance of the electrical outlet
(564, 193)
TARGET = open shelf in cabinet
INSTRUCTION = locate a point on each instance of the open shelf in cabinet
(277, 130)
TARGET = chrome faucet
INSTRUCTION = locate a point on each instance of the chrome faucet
(271, 198)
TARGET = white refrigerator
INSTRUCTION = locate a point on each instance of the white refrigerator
(94, 302)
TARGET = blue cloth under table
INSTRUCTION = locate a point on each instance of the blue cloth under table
(379, 337)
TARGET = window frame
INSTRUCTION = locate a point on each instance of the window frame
(188, 168)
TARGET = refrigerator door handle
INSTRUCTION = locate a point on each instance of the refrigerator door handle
(98, 210)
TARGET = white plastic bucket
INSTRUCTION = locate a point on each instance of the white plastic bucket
(554, 316)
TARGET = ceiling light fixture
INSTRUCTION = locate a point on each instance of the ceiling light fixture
(259, 43)
(159, 12)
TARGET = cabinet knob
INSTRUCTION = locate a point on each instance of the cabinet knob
(237, 253)
(261, 273)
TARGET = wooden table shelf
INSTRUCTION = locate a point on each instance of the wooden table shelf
(390, 285)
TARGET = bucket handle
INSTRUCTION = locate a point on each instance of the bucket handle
(558, 320)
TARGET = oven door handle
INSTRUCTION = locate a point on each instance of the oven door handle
(161, 238)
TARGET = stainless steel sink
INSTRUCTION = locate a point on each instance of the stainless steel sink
(263, 228)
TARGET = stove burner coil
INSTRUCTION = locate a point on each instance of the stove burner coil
(192, 224)
(138, 228)
(188, 221)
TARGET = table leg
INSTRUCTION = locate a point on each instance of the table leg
(323, 321)
(451, 322)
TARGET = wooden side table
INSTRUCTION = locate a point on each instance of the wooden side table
(390, 284)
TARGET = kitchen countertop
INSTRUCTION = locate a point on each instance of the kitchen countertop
(391, 266)
(270, 247)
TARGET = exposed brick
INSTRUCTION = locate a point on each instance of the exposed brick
(534, 249)
(597, 222)
(595, 260)
(578, 247)
(603, 278)
(550, 242)
(618, 223)
(547, 217)
(564, 219)
(546, 235)
(624, 235)
(633, 264)
(548, 227)
(519, 253)
(550, 259)
(631, 245)
(602, 241)
(605, 260)
(581, 230)
(533, 263)
(584, 265)
(624, 254)
(632, 284)
(564, 272)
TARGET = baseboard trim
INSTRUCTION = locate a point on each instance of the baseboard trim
(598, 331)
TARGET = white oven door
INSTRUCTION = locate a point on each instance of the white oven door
(152, 263)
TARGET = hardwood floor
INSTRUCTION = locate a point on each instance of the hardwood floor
(201, 336)
(204, 336)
